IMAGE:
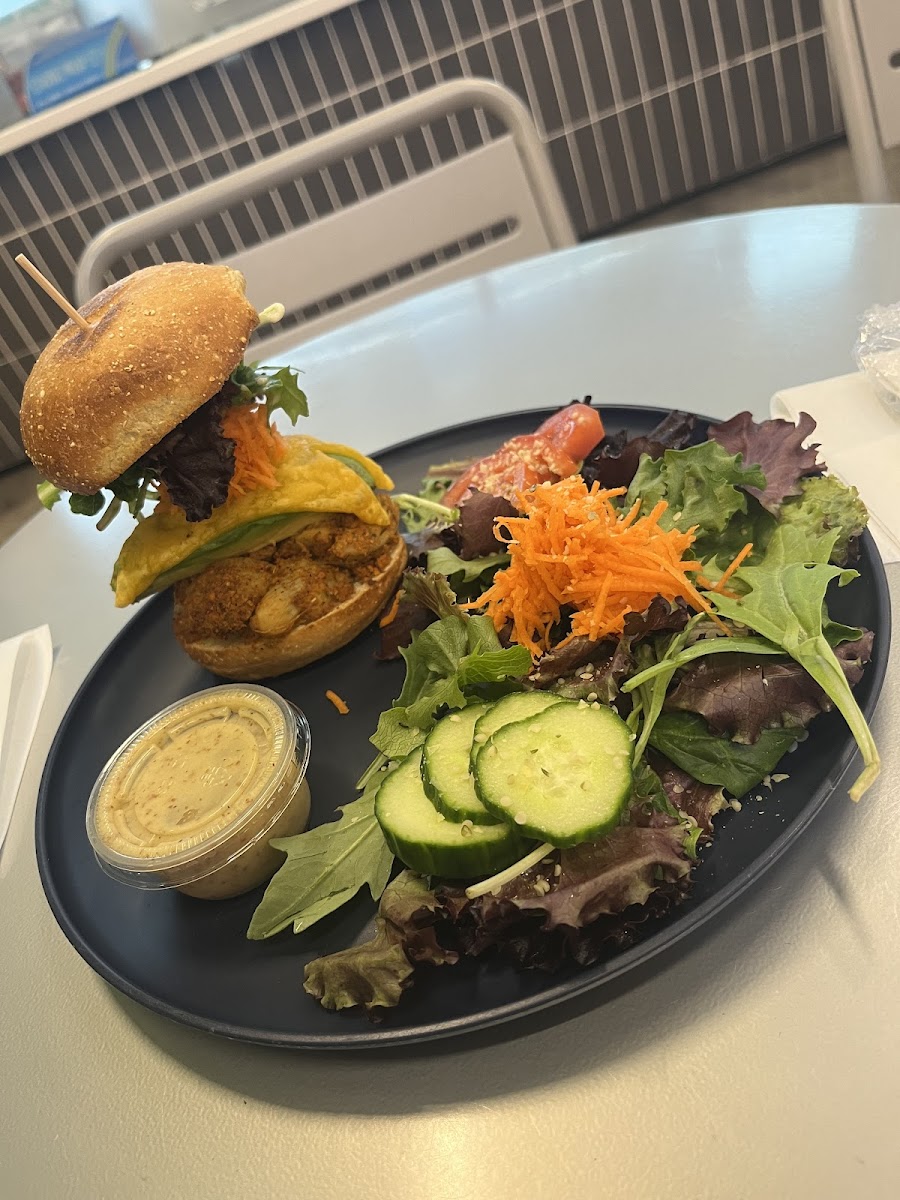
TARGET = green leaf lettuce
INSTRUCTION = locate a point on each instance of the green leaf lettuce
(703, 487)
(785, 603)
(375, 973)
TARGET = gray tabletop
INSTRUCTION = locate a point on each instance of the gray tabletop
(761, 1060)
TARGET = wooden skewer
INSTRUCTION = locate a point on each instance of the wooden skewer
(53, 292)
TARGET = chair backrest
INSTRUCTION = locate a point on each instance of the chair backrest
(491, 205)
(864, 50)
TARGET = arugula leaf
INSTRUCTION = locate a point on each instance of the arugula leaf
(436, 651)
(247, 380)
(652, 693)
(278, 387)
(324, 868)
(703, 487)
(686, 740)
(481, 637)
(282, 390)
(393, 738)
(785, 603)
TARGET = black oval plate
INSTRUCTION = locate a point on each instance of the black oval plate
(189, 959)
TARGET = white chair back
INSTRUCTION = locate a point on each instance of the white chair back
(864, 48)
(492, 205)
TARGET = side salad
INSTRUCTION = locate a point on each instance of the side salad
(607, 642)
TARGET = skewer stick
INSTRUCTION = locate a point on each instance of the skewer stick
(53, 292)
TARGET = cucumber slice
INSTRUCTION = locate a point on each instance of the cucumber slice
(446, 772)
(515, 707)
(425, 841)
(563, 776)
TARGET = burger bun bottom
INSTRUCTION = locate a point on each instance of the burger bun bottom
(252, 656)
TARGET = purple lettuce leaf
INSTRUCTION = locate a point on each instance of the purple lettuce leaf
(776, 447)
(195, 461)
(741, 696)
(582, 667)
(473, 534)
(699, 801)
(614, 462)
(604, 893)
(411, 617)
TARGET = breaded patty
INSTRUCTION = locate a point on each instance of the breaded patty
(342, 540)
(301, 591)
(221, 599)
(295, 581)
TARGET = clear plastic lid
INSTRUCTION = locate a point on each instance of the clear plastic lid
(877, 353)
(197, 785)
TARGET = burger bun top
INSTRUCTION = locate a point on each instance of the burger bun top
(162, 343)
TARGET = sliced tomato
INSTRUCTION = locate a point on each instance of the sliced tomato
(554, 451)
(577, 429)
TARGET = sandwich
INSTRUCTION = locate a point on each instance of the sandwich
(280, 549)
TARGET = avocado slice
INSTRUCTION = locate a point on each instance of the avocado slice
(237, 541)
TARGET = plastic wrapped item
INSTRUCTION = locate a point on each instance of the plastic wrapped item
(877, 353)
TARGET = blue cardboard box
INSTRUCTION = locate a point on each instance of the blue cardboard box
(77, 63)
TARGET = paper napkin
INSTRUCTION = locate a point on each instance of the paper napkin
(25, 665)
(860, 442)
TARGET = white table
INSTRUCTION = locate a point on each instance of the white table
(760, 1062)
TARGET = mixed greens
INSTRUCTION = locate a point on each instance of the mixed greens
(549, 794)
(195, 460)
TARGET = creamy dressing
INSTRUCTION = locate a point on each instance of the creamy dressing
(193, 800)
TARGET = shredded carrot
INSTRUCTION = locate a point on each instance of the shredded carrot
(258, 448)
(391, 614)
(574, 548)
(732, 567)
(338, 703)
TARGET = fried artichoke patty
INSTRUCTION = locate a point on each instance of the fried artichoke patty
(341, 540)
(295, 581)
(222, 599)
(302, 591)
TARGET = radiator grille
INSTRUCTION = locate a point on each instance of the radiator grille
(640, 102)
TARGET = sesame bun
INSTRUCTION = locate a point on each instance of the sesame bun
(163, 342)
(249, 656)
